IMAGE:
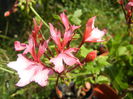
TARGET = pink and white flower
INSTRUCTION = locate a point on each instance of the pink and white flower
(91, 33)
(69, 32)
(66, 57)
(29, 71)
(69, 29)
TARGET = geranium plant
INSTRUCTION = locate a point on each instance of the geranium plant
(30, 64)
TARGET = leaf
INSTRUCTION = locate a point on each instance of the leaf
(75, 17)
(102, 61)
(77, 36)
(122, 50)
(84, 51)
(76, 20)
(102, 79)
(78, 13)
(57, 17)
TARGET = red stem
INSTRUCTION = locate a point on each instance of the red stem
(50, 52)
(79, 46)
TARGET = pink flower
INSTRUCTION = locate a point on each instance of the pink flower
(129, 5)
(91, 33)
(56, 35)
(69, 29)
(29, 71)
(30, 47)
(68, 35)
(66, 57)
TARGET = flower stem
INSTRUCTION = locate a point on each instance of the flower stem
(57, 80)
(9, 71)
(79, 47)
(50, 52)
(34, 11)
(124, 11)
(47, 56)
(81, 44)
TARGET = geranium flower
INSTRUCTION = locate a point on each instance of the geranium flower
(91, 33)
(69, 29)
(30, 47)
(69, 32)
(29, 71)
(129, 5)
(35, 35)
(65, 57)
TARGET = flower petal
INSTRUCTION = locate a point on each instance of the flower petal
(89, 27)
(55, 35)
(96, 36)
(21, 63)
(42, 77)
(19, 46)
(64, 20)
(42, 49)
(69, 60)
(58, 62)
(91, 33)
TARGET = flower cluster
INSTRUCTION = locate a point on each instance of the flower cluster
(33, 68)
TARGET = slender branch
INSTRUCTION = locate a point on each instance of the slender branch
(9, 71)
(79, 46)
(50, 52)
(124, 11)
(57, 80)
(34, 11)
(47, 56)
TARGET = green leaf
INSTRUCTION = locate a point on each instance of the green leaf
(75, 17)
(102, 79)
(57, 17)
(78, 13)
(102, 61)
(84, 51)
(76, 20)
(122, 50)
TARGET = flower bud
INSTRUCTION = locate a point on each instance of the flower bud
(91, 56)
(7, 13)
(120, 2)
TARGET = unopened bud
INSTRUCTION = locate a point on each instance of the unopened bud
(91, 56)
(7, 13)
(120, 2)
